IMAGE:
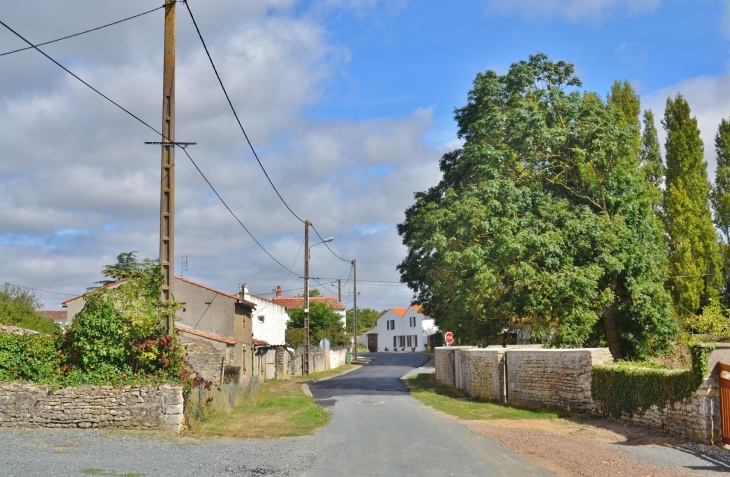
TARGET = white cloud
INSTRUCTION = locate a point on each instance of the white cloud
(573, 10)
(78, 185)
(709, 101)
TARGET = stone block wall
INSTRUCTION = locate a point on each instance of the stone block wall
(558, 378)
(129, 407)
(481, 373)
(445, 364)
(337, 357)
(206, 360)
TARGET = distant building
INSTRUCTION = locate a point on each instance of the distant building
(400, 329)
(298, 302)
(59, 316)
(269, 318)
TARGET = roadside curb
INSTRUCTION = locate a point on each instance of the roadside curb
(305, 386)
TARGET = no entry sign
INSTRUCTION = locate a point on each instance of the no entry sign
(449, 337)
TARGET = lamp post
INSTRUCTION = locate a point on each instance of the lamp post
(305, 371)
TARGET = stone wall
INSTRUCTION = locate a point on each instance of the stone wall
(317, 359)
(205, 359)
(337, 357)
(558, 378)
(561, 378)
(130, 407)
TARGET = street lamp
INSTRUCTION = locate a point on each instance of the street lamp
(306, 291)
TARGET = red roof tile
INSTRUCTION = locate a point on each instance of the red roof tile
(55, 315)
(399, 311)
(298, 301)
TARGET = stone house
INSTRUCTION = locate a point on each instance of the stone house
(214, 326)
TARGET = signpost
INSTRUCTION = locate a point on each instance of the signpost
(449, 338)
(324, 343)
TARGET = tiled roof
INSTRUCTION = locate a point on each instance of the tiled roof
(204, 334)
(298, 301)
(399, 311)
(56, 315)
(260, 342)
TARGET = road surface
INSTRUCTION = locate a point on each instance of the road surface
(378, 429)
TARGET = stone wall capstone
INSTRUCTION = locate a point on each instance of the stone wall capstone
(129, 407)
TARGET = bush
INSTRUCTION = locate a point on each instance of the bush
(18, 308)
(624, 388)
(29, 358)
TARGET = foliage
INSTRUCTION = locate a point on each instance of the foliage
(623, 98)
(651, 159)
(18, 308)
(121, 331)
(29, 358)
(367, 318)
(127, 265)
(453, 401)
(625, 388)
(295, 337)
(694, 257)
(714, 320)
(313, 292)
(720, 198)
(542, 221)
(324, 322)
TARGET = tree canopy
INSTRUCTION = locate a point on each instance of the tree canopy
(367, 318)
(542, 220)
(324, 322)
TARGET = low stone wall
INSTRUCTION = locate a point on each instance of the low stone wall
(206, 360)
(130, 407)
(561, 378)
(558, 378)
(337, 357)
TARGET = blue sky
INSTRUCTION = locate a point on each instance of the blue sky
(349, 103)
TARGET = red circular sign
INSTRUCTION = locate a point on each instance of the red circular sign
(449, 337)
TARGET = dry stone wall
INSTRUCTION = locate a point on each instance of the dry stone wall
(558, 378)
(561, 378)
(130, 407)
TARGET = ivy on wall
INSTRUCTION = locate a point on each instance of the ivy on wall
(624, 387)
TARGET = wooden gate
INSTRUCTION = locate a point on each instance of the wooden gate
(724, 378)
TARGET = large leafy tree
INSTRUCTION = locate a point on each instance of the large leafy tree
(720, 198)
(694, 257)
(367, 318)
(324, 322)
(542, 220)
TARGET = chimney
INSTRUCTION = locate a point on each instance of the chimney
(242, 289)
(278, 291)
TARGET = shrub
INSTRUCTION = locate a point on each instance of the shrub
(18, 308)
(29, 358)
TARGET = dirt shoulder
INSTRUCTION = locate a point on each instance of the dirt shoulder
(596, 447)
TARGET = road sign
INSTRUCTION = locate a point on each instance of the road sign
(449, 337)
(324, 343)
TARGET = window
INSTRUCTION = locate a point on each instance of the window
(261, 318)
(394, 345)
(409, 341)
(402, 341)
(390, 324)
(413, 321)
(415, 341)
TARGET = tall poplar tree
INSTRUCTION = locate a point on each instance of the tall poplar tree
(694, 256)
(651, 159)
(721, 201)
(624, 98)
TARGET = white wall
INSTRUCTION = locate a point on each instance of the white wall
(273, 328)
(402, 327)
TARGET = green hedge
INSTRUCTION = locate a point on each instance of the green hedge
(29, 358)
(624, 387)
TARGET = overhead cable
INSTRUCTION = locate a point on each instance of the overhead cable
(327, 245)
(39, 290)
(235, 114)
(154, 130)
(83, 32)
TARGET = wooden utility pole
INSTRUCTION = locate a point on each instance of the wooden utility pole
(167, 184)
(354, 309)
(305, 365)
(339, 290)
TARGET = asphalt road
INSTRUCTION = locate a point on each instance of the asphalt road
(378, 429)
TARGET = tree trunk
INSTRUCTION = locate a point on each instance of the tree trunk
(609, 324)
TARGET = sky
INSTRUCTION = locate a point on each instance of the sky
(348, 103)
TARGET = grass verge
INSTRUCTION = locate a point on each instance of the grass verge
(281, 409)
(454, 402)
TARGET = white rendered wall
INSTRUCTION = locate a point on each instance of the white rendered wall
(273, 329)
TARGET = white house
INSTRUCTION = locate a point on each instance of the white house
(400, 329)
(268, 319)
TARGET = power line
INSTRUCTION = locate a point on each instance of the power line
(154, 130)
(83, 32)
(294, 263)
(220, 81)
(327, 245)
(39, 290)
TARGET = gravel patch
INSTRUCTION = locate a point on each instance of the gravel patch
(73, 452)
